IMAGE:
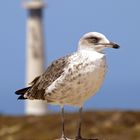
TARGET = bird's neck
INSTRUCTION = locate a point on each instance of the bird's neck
(89, 48)
(91, 53)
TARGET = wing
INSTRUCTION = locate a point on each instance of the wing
(40, 83)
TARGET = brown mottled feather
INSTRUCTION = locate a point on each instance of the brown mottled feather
(40, 83)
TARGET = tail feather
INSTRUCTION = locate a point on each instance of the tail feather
(21, 92)
(21, 97)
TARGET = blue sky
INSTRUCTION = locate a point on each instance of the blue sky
(65, 22)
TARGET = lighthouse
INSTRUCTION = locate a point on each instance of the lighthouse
(35, 56)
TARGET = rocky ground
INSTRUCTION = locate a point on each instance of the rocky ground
(104, 125)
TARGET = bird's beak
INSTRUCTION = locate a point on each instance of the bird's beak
(112, 45)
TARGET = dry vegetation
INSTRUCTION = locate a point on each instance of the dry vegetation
(105, 125)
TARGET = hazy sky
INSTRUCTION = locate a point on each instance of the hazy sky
(65, 22)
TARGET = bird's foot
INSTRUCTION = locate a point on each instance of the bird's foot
(77, 138)
(86, 139)
(80, 138)
(64, 138)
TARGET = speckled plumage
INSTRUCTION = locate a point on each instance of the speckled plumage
(72, 79)
(81, 78)
(40, 83)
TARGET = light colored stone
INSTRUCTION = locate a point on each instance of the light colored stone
(34, 5)
(35, 54)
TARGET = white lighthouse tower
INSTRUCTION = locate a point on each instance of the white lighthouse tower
(35, 52)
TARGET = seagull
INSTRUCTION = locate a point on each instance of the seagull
(71, 80)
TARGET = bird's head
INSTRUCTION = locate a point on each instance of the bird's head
(96, 41)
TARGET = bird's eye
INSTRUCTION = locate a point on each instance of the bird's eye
(93, 39)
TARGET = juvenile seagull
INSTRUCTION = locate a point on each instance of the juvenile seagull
(72, 79)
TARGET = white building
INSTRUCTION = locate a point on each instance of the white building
(35, 52)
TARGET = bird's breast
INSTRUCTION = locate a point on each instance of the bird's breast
(81, 79)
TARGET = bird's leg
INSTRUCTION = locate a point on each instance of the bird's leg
(78, 137)
(63, 123)
(63, 136)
